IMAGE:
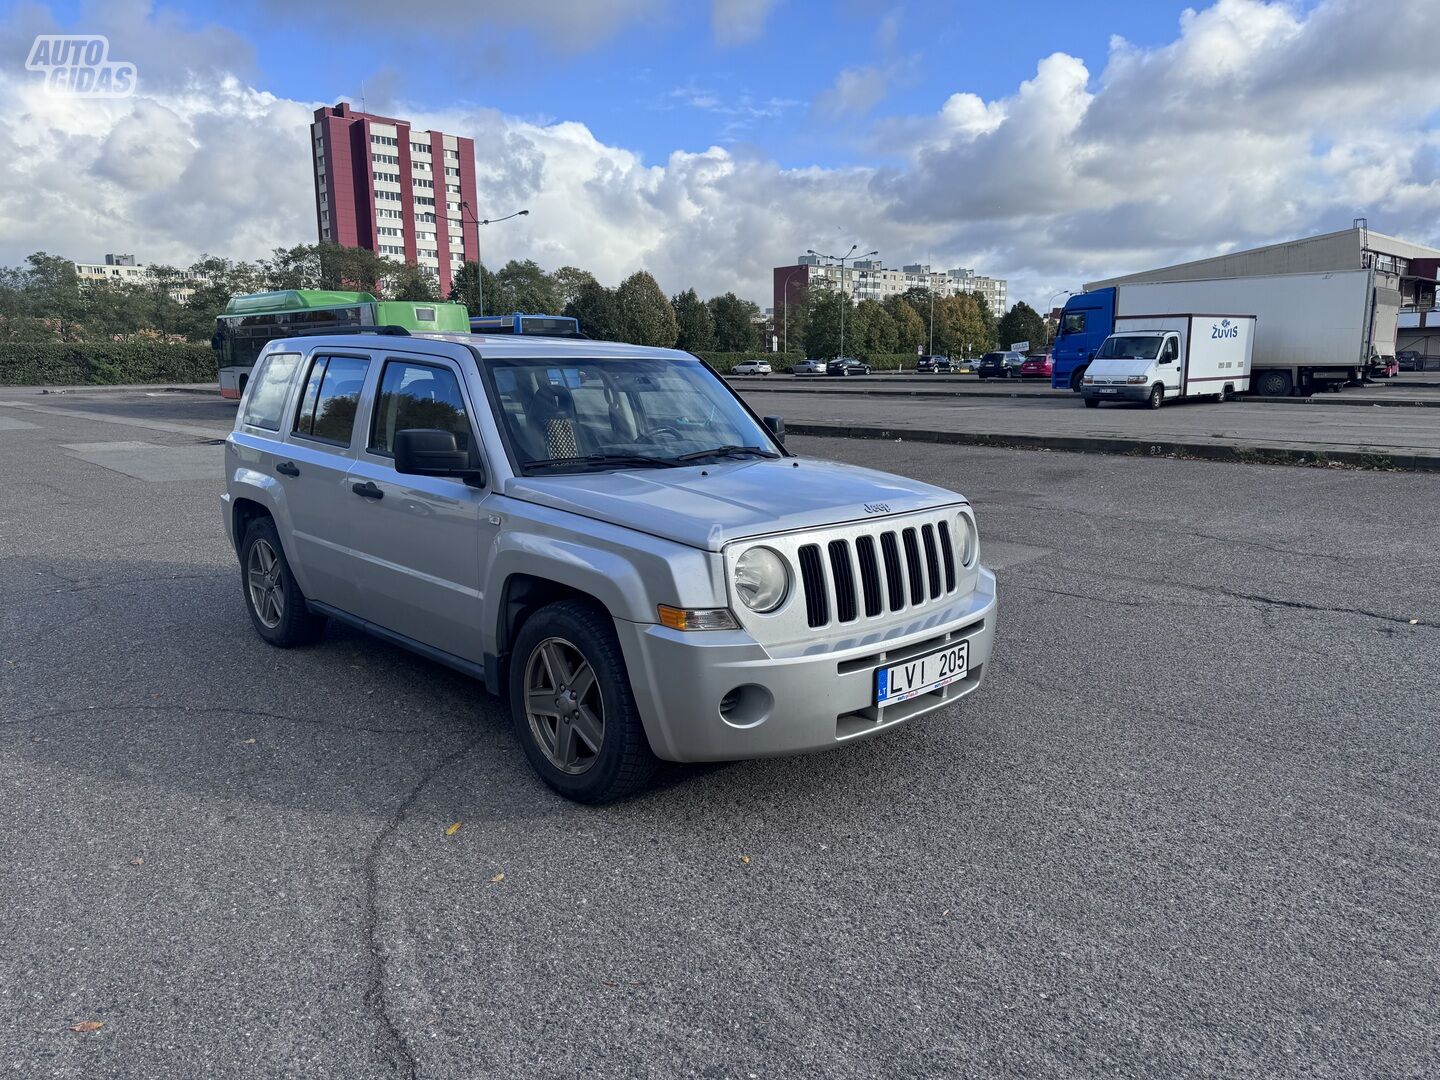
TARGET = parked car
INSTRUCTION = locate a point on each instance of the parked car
(1410, 360)
(934, 364)
(1000, 365)
(628, 559)
(846, 365)
(808, 367)
(1384, 367)
(1037, 367)
(751, 367)
(968, 366)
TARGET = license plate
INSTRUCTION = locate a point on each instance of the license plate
(901, 682)
(1107, 391)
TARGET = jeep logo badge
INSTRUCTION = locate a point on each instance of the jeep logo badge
(877, 508)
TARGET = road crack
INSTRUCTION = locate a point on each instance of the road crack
(204, 710)
(398, 1047)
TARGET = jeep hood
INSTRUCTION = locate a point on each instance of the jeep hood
(707, 506)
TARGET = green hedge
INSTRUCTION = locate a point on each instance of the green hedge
(100, 362)
(780, 362)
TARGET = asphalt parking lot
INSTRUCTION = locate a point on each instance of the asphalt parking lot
(1187, 828)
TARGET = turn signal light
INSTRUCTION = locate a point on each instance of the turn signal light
(696, 618)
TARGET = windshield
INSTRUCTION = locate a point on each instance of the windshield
(1129, 347)
(626, 412)
(1072, 323)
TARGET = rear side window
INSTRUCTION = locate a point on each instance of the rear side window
(332, 394)
(417, 396)
(269, 385)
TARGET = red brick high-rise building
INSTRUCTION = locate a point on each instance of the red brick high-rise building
(383, 186)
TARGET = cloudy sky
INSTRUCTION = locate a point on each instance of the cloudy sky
(1045, 142)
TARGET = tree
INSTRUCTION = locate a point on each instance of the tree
(734, 331)
(961, 328)
(569, 280)
(52, 292)
(1021, 323)
(912, 328)
(523, 286)
(408, 281)
(598, 311)
(822, 331)
(646, 317)
(465, 287)
(874, 330)
(695, 323)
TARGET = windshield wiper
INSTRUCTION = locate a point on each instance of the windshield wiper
(728, 451)
(592, 460)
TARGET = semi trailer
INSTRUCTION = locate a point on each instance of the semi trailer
(1312, 331)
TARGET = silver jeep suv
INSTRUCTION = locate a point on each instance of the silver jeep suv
(607, 535)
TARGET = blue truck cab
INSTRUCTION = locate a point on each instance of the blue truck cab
(1088, 319)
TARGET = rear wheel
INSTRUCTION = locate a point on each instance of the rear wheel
(1274, 384)
(572, 706)
(1157, 396)
(277, 607)
(1222, 396)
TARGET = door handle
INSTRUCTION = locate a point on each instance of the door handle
(367, 490)
(288, 468)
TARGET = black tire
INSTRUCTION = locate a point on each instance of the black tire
(623, 762)
(1157, 396)
(1273, 384)
(1092, 403)
(277, 607)
(1222, 396)
(1077, 377)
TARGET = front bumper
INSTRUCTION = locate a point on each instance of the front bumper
(1139, 392)
(794, 704)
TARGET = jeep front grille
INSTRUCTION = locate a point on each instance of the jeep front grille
(894, 569)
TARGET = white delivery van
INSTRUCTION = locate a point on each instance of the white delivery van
(1158, 358)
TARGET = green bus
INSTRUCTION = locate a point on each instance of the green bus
(252, 321)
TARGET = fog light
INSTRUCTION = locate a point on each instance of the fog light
(746, 706)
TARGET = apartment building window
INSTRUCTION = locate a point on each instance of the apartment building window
(387, 177)
(391, 249)
(390, 230)
(453, 189)
(383, 140)
(387, 196)
(420, 166)
(452, 172)
(389, 214)
(385, 159)
(425, 217)
(422, 200)
(452, 155)
(423, 183)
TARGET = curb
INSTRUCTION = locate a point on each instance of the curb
(1398, 461)
(1060, 395)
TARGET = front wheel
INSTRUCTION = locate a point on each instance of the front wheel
(276, 605)
(1092, 403)
(572, 706)
(1157, 396)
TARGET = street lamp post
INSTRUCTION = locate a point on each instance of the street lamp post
(479, 262)
(843, 298)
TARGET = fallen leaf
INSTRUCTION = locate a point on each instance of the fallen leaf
(88, 1025)
(137, 861)
(745, 859)
(497, 878)
(452, 829)
(1414, 622)
(249, 742)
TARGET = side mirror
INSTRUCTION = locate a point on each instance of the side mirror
(776, 426)
(431, 452)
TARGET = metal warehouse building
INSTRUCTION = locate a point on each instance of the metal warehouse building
(1408, 268)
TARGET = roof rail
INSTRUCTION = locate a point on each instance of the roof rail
(312, 331)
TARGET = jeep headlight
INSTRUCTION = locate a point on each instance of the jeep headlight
(762, 579)
(967, 540)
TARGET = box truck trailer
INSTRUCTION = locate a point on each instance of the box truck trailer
(1160, 358)
(1311, 330)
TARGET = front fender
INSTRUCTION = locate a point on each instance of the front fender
(246, 480)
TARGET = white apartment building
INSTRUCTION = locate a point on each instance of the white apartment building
(124, 269)
(870, 280)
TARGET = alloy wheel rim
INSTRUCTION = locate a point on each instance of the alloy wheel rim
(563, 705)
(263, 579)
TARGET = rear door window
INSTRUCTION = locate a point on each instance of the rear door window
(331, 398)
(269, 386)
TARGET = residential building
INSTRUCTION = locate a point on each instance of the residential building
(869, 279)
(405, 194)
(124, 269)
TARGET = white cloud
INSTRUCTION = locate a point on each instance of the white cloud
(734, 22)
(854, 93)
(1166, 154)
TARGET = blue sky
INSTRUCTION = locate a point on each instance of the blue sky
(663, 82)
(708, 141)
